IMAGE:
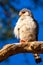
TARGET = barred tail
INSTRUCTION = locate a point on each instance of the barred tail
(37, 58)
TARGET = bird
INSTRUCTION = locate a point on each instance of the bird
(26, 29)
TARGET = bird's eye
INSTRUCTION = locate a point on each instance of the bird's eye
(23, 12)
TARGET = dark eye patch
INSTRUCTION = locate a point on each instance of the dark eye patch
(23, 12)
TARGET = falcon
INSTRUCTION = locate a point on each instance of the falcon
(26, 29)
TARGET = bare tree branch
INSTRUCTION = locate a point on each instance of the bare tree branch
(13, 49)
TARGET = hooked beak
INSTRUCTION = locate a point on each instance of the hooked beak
(20, 14)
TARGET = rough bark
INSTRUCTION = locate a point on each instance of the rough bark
(13, 49)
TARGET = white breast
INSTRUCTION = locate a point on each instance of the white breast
(27, 27)
(27, 21)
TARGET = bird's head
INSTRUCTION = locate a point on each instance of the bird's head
(25, 12)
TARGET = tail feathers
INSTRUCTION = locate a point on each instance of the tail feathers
(37, 58)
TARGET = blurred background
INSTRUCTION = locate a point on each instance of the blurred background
(9, 10)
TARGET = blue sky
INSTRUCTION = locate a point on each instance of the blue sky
(37, 10)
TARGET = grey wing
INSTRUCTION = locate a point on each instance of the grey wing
(37, 29)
